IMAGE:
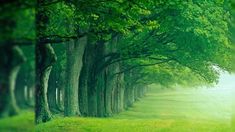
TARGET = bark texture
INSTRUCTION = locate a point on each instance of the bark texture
(45, 58)
(83, 86)
(75, 51)
(52, 90)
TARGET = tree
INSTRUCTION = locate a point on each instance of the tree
(11, 61)
(45, 58)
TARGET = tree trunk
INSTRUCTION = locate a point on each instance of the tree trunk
(9, 68)
(30, 96)
(108, 93)
(51, 94)
(60, 99)
(131, 95)
(126, 98)
(45, 57)
(121, 91)
(115, 100)
(129, 89)
(25, 86)
(92, 82)
(141, 91)
(136, 97)
(21, 89)
(100, 94)
(96, 80)
(113, 92)
(83, 86)
(92, 101)
(75, 51)
(87, 93)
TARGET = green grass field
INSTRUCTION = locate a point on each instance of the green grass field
(21, 123)
(204, 110)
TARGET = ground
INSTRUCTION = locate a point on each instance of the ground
(187, 110)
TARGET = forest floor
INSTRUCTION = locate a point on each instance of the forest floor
(192, 110)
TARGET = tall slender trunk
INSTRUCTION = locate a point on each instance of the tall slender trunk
(115, 103)
(92, 82)
(100, 94)
(126, 97)
(129, 89)
(119, 91)
(86, 98)
(51, 94)
(83, 86)
(60, 87)
(136, 93)
(141, 91)
(121, 88)
(30, 96)
(96, 82)
(75, 51)
(112, 97)
(9, 68)
(24, 87)
(60, 98)
(10, 61)
(21, 89)
(108, 93)
(131, 95)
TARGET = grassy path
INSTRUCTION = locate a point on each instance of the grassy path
(189, 104)
(202, 110)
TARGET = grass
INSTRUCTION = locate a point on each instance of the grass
(129, 125)
(21, 123)
(205, 110)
